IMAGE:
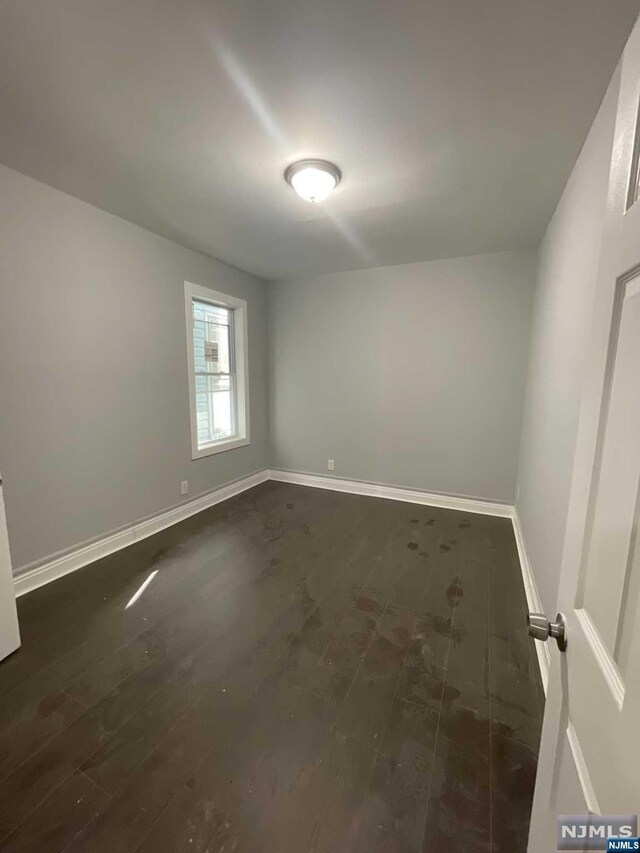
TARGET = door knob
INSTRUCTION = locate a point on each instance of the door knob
(541, 629)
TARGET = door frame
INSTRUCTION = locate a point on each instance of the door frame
(614, 269)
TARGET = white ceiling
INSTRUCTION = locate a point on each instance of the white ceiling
(455, 122)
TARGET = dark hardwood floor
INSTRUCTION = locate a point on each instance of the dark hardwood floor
(304, 671)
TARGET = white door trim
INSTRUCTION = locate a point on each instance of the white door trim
(601, 654)
(582, 770)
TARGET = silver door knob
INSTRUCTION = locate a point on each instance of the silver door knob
(540, 628)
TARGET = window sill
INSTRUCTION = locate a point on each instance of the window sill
(219, 447)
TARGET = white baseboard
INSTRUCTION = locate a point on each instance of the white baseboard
(394, 493)
(44, 573)
(534, 602)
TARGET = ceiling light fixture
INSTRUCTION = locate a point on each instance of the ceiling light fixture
(313, 180)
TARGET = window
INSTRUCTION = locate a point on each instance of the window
(218, 380)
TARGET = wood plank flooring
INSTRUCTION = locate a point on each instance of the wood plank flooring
(304, 671)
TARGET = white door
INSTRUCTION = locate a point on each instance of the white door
(9, 634)
(590, 750)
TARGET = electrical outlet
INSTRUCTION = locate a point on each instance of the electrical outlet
(184, 487)
(331, 464)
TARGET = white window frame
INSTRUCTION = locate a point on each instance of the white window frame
(241, 351)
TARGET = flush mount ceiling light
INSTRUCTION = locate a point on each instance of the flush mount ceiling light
(313, 180)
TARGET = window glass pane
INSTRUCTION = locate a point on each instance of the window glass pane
(214, 408)
(211, 338)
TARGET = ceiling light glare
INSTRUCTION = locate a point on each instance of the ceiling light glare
(313, 180)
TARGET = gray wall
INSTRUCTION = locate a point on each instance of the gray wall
(568, 262)
(94, 424)
(408, 375)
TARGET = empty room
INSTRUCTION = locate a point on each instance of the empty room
(319, 347)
